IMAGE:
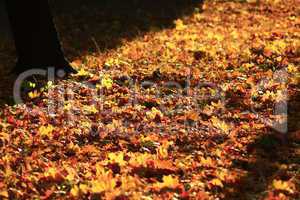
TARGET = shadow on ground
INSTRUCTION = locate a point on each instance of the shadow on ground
(87, 27)
(107, 22)
(271, 156)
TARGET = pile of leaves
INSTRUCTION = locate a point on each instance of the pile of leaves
(194, 111)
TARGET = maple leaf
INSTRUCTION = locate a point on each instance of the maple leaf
(207, 162)
(117, 158)
(34, 94)
(86, 124)
(89, 149)
(154, 113)
(219, 105)
(106, 82)
(4, 193)
(51, 172)
(71, 174)
(101, 185)
(198, 17)
(292, 68)
(168, 182)
(179, 25)
(129, 182)
(220, 124)
(90, 109)
(140, 159)
(82, 73)
(67, 106)
(111, 62)
(84, 188)
(216, 182)
(222, 174)
(74, 191)
(171, 45)
(283, 185)
(276, 46)
(162, 151)
(192, 115)
(4, 136)
(116, 124)
(46, 131)
(268, 96)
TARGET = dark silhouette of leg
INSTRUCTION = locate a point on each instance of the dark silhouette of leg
(35, 35)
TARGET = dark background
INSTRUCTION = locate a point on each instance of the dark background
(107, 21)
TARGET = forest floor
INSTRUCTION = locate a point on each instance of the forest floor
(204, 105)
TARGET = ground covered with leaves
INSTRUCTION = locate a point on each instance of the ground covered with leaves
(196, 110)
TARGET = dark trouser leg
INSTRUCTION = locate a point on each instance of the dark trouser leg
(36, 39)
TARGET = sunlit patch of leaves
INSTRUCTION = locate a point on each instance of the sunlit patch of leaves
(134, 134)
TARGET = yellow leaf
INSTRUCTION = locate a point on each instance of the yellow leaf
(171, 45)
(129, 182)
(111, 62)
(115, 62)
(67, 106)
(84, 188)
(75, 191)
(71, 174)
(220, 124)
(222, 174)
(4, 136)
(218, 152)
(8, 172)
(217, 182)
(106, 82)
(206, 162)
(140, 159)
(218, 105)
(283, 185)
(162, 151)
(276, 46)
(82, 72)
(46, 131)
(117, 158)
(291, 68)
(114, 125)
(179, 25)
(34, 94)
(268, 96)
(198, 17)
(168, 182)
(98, 186)
(86, 124)
(154, 113)
(4, 194)
(100, 171)
(219, 37)
(90, 109)
(51, 172)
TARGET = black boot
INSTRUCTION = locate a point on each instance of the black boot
(35, 35)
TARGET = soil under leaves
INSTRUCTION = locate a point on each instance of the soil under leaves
(192, 111)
